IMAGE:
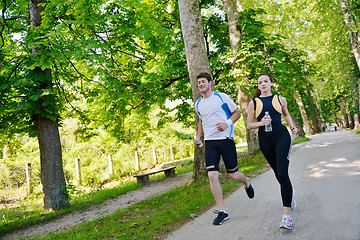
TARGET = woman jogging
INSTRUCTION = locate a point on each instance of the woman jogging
(274, 139)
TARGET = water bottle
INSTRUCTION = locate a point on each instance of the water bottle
(268, 127)
(199, 141)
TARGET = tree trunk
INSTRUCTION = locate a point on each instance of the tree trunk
(5, 150)
(52, 174)
(308, 128)
(356, 121)
(232, 13)
(197, 61)
(357, 110)
(232, 19)
(346, 120)
(356, 107)
(251, 135)
(297, 124)
(314, 115)
(351, 121)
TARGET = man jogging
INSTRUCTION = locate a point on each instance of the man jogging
(218, 113)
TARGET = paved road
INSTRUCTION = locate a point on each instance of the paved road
(326, 175)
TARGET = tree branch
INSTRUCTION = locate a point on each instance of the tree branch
(112, 49)
(83, 76)
(171, 81)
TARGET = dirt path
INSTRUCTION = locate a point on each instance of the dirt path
(106, 208)
(326, 175)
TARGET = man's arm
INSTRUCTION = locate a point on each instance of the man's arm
(199, 132)
(222, 126)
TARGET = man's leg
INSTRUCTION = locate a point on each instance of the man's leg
(216, 189)
(228, 151)
(240, 177)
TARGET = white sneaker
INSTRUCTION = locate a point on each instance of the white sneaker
(286, 222)
(293, 202)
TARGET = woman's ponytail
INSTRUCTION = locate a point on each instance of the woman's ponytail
(257, 93)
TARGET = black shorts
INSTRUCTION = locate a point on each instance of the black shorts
(226, 148)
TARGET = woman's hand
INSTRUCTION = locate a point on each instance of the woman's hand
(293, 129)
(265, 121)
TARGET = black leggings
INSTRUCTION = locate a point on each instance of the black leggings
(276, 147)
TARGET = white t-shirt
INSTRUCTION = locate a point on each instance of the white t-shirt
(210, 112)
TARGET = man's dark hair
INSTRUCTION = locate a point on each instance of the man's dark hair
(204, 75)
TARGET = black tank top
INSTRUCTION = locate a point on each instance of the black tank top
(271, 104)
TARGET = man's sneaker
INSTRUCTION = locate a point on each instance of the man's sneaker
(286, 222)
(293, 202)
(221, 218)
(249, 190)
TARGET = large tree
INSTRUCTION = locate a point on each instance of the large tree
(100, 62)
(197, 61)
(29, 97)
(244, 97)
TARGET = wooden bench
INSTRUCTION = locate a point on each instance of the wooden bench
(143, 179)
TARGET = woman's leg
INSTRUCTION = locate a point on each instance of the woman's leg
(283, 150)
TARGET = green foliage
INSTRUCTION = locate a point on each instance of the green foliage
(117, 66)
(69, 190)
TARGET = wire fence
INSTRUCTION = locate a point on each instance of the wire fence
(27, 176)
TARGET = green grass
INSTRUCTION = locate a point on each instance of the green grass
(299, 140)
(243, 148)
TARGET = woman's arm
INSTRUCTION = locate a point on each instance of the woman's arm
(250, 122)
(286, 115)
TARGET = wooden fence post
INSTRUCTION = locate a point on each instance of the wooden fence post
(172, 153)
(137, 160)
(28, 176)
(155, 156)
(110, 165)
(78, 170)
